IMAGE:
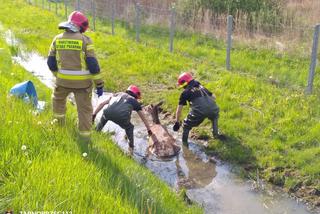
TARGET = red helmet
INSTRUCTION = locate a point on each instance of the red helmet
(80, 20)
(135, 90)
(76, 22)
(184, 79)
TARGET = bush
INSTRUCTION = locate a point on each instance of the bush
(252, 12)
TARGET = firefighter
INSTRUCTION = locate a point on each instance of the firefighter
(72, 60)
(202, 103)
(119, 109)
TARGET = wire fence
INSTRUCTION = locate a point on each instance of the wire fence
(164, 25)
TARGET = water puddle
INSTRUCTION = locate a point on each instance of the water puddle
(30, 61)
(213, 185)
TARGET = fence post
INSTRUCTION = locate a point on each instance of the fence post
(78, 5)
(113, 14)
(56, 8)
(137, 22)
(172, 26)
(66, 9)
(93, 11)
(49, 5)
(229, 41)
(313, 63)
(42, 4)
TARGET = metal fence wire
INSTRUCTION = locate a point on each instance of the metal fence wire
(152, 22)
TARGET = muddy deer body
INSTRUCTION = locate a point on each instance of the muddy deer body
(162, 144)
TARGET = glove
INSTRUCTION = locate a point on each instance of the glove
(99, 91)
(93, 117)
(150, 132)
(176, 126)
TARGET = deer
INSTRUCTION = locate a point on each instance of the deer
(162, 143)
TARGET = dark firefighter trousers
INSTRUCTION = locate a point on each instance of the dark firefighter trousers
(195, 118)
(123, 122)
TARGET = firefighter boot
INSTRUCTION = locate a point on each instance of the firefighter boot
(130, 136)
(84, 143)
(185, 136)
(215, 131)
(61, 121)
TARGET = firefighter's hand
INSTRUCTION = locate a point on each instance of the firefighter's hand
(150, 133)
(176, 126)
(93, 117)
(99, 91)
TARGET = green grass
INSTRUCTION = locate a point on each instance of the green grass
(51, 175)
(269, 123)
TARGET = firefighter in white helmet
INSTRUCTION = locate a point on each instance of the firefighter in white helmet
(72, 60)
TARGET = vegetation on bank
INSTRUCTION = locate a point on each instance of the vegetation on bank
(270, 124)
(42, 167)
(253, 13)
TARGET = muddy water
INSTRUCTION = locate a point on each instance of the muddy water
(214, 186)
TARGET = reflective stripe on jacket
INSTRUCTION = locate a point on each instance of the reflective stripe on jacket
(72, 51)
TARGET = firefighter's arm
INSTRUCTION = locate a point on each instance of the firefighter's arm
(92, 63)
(146, 123)
(178, 112)
(144, 120)
(52, 60)
(101, 105)
(177, 124)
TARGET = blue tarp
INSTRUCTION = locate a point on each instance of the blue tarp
(26, 91)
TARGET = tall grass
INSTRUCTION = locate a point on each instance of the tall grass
(42, 169)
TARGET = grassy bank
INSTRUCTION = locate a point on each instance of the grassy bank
(41, 167)
(271, 125)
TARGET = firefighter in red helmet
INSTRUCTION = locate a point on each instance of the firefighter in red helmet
(72, 60)
(118, 110)
(202, 103)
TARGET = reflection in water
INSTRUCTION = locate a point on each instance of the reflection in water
(227, 193)
(193, 171)
(212, 186)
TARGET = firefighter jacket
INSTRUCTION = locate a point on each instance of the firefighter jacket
(73, 62)
(199, 98)
(121, 106)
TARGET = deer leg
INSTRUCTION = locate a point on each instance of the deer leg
(155, 114)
